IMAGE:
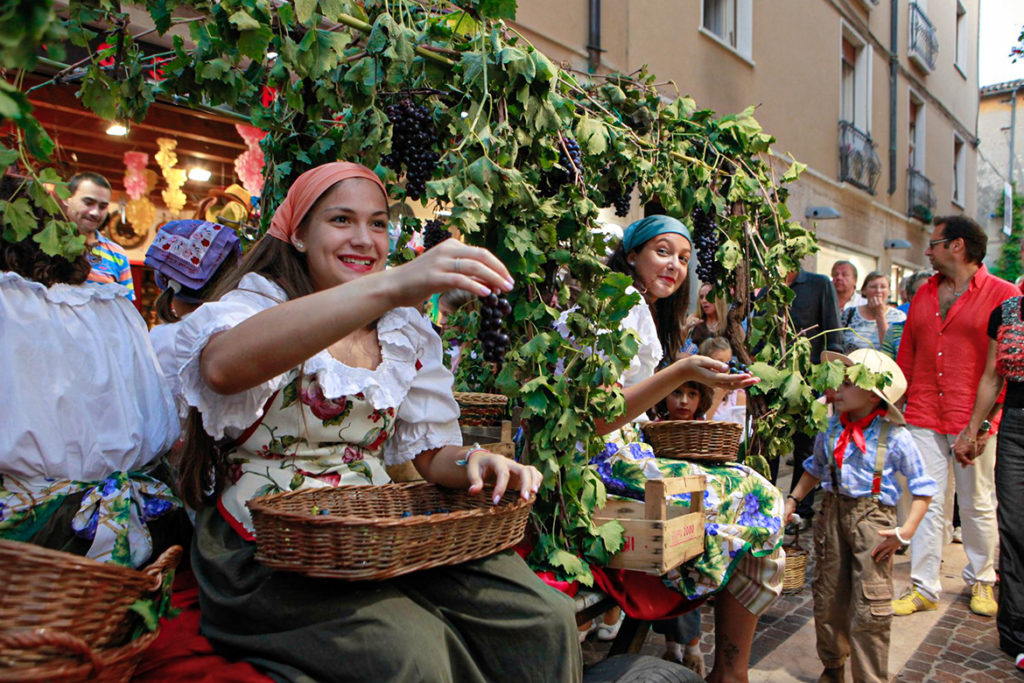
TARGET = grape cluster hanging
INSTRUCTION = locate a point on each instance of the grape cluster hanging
(567, 172)
(413, 142)
(706, 239)
(494, 339)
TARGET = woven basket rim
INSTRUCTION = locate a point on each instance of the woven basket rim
(685, 424)
(266, 505)
(479, 398)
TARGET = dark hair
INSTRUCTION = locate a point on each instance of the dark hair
(974, 237)
(871, 277)
(203, 464)
(846, 263)
(703, 403)
(669, 313)
(26, 258)
(94, 178)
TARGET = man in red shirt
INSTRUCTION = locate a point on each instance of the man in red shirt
(943, 353)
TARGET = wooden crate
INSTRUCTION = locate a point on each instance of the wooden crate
(658, 536)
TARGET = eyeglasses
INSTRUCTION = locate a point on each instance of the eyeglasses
(935, 243)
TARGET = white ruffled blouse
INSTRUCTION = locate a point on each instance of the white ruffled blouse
(649, 351)
(323, 423)
(82, 391)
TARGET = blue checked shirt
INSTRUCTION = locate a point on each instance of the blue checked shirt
(859, 468)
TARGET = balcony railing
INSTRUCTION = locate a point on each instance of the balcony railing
(924, 45)
(858, 161)
(920, 196)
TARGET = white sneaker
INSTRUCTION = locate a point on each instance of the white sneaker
(958, 536)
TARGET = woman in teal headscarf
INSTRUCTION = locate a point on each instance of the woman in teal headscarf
(742, 551)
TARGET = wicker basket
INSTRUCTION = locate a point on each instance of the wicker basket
(65, 658)
(42, 588)
(796, 567)
(379, 532)
(700, 440)
(481, 410)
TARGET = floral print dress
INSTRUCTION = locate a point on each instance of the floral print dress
(743, 510)
(324, 423)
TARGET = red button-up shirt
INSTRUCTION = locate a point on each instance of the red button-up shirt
(943, 359)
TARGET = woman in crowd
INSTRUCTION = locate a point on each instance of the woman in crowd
(742, 547)
(187, 258)
(1005, 365)
(88, 415)
(315, 354)
(867, 324)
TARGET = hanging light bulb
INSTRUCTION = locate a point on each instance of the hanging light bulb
(116, 129)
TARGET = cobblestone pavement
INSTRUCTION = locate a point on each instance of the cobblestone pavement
(958, 646)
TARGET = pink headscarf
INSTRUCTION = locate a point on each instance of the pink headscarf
(307, 188)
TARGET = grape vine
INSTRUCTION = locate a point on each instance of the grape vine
(449, 101)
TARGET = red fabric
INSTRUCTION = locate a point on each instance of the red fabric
(570, 588)
(643, 596)
(943, 359)
(854, 430)
(181, 653)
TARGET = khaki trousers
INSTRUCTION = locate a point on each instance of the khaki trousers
(852, 593)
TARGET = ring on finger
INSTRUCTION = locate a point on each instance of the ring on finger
(456, 265)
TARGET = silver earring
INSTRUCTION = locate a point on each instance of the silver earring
(299, 245)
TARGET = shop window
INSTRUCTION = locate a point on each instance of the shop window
(731, 22)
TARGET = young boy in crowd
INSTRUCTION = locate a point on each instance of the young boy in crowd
(855, 536)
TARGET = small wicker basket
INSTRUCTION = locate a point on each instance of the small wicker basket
(379, 532)
(699, 440)
(795, 574)
(480, 410)
(64, 658)
(43, 588)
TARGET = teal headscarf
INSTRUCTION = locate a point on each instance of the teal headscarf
(648, 228)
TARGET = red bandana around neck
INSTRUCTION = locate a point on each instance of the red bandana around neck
(856, 431)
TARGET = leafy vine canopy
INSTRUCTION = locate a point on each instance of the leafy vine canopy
(319, 76)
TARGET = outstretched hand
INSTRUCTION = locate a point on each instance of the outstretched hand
(716, 373)
(504, 473)
(449, 265)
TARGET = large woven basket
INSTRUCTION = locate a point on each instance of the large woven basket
(796, 567)
(64, 658)
(480, 409)
(379, 532)
(707, 441)
(42, 588)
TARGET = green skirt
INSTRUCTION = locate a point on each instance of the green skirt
(486, 620)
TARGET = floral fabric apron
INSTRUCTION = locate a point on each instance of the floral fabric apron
(306, 441)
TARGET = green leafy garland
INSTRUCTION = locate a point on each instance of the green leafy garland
(505, 112)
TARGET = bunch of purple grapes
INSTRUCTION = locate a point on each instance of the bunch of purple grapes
(568, 171)
(413, 139)
(434, 233)
(706, 240)
(620, 197)
(493, 310)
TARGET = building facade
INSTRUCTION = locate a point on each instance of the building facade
(1001, 134)
(878, 97)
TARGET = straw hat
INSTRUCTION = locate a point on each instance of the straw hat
(877, 362)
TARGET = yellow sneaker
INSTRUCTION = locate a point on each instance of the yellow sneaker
(982, 601)
(912, 601)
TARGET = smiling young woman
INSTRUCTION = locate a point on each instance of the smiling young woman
(312, 369)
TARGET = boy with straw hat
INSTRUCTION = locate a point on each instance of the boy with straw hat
(855, 536)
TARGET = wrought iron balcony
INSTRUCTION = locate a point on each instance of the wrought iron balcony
(920, 196)
(924, 45)
(858, 161)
